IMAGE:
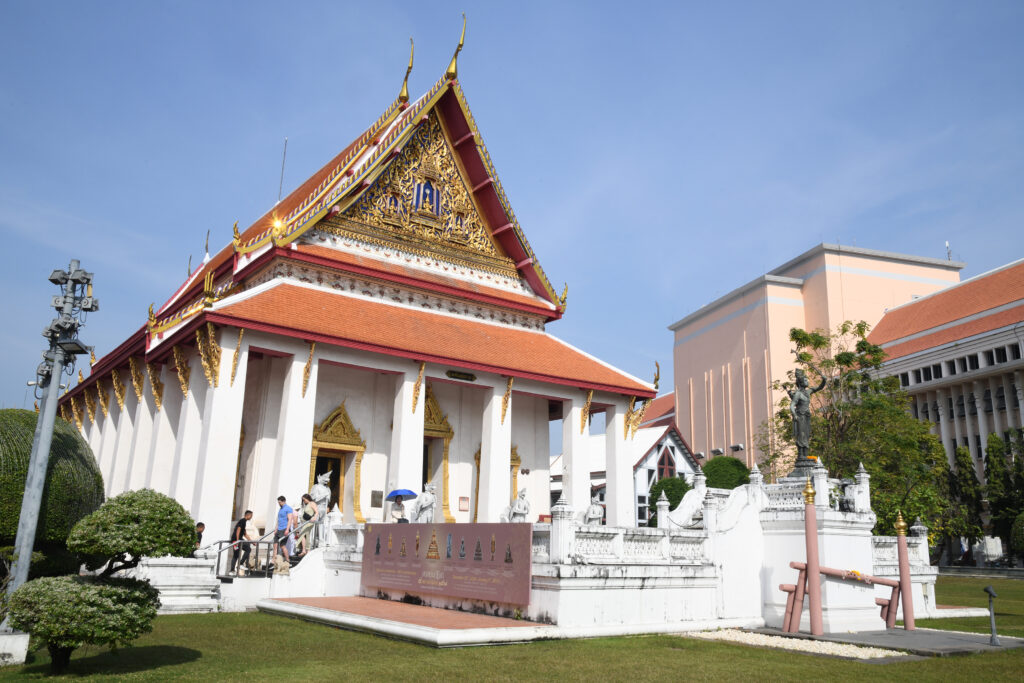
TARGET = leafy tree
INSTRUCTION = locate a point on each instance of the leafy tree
(674, 487)
(67, 612)
(999, 488)
(1017, 535)
(965, 491)
(725, 472)
(861, 416)
(131, 526)
(73, 489)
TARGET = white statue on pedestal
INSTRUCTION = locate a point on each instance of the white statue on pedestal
(520, 508)
(423, 507)
(594, 513)
(321, 495)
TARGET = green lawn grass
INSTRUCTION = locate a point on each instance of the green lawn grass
(967, 592)
(251, 647)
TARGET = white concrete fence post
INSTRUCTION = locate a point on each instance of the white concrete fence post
(563, 532)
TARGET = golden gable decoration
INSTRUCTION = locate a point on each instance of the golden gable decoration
(422, 201)
(155, 385)
(184, 369)
(435, 424)
(115, 379)
(337, 432)
(90, 406)
(103, 397)
(138, 381)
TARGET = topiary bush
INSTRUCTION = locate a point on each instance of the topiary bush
(1017, 535)
(74, 485)
(131, 526)
(674, 487)
(726, 472)
(67, 612)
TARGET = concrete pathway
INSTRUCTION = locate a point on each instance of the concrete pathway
(922, 641)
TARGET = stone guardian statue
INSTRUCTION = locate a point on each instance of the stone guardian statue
(800, 409)
(423, 507)
(321, 495)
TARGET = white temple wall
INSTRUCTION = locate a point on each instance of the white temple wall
(165, 433)
(125, 438)
(262, 498)
(108, 446)
(253, 413)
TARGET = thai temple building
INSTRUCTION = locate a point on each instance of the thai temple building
(387, 322)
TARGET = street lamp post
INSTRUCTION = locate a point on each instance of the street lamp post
(72, 304)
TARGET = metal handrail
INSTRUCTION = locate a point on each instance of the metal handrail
(259, 543)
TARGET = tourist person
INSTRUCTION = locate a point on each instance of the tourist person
(240, 536)
(310, 514)
(285, 524)
(200, 528)
(398, 511)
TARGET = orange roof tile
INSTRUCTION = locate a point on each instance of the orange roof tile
(968, 298)
(422, 335)
(951, 334)
(659, 408)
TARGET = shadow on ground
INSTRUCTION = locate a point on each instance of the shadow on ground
(124, 661)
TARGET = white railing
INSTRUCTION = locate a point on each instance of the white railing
(626, 545)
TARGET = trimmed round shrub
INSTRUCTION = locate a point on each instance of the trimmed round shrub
(726, 472)
(1017, 535)
(74, 485)
(674, 487)
(130, 526)
(67, 612)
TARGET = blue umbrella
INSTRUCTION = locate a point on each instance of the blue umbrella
(404, 493)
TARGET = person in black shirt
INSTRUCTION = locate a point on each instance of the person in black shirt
(240, 536)
(200, 528)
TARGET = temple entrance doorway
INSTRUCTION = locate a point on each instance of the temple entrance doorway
(334, 462)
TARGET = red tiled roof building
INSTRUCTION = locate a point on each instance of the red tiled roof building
(385, 322)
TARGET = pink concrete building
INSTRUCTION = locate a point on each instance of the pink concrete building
(727, 353)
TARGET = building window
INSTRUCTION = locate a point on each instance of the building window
(960, 410)
(666, 466)
(961, 364)
(1000, 399)
(917, 376)
(951, 367)
(1015, 351)
(972, 361)
(990, 358)
(988, 401)
(1001, 354)
(927, 372)
(904, 379)
(937, 371)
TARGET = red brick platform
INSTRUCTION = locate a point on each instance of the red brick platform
(418, 615)
(416, 623)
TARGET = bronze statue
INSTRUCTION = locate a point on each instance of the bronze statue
(800, 408)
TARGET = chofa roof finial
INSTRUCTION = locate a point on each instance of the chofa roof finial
(404, 95)
(453, 67)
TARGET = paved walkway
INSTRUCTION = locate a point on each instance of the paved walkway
(922, 641)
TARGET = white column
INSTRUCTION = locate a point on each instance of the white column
(1009, 401)
(941, 399)
(141, 438)
(123, 450)
(294, 445)
(495, 457)
(575, 459)
(218, 450)
(997, 420)
(405, 462)
(620, 505)
(979, 403)
(190, 432)
(970, 424)
(108, 443)
(1018, 380)
(955, 415)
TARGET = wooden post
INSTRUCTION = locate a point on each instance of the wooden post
(905, 586)
(813, 572)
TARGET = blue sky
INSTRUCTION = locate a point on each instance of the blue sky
(657, 155)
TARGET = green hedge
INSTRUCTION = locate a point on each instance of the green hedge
(726, 472)
(74, 485)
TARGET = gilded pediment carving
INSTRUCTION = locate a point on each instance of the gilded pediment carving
(338, 429)
(421, 198)
(434, 421)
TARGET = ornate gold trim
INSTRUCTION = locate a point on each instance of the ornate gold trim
(209, 353)
(104, 398)
(92, 358)
(634, 416)
(506, 397)
(356, 483)
(514, 462)
(90, 406)
(435, 424)
(64, 412)
(307, 369)
(156, 387)
(337, 433)
(416, 387)
(238, 348)
(115, 379)
(184, 370)
(238, 471)
(81, 377)
(585, 414)
(208, 291)
(138, 381)
(476, 490)
(77, 411)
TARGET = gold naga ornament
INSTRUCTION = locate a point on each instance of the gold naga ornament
(506, 397)
(308, 368)
(403, 96)
(238, 351)
(184, 369)
(115, 379)
(452, 72)
(155, 385)
(416, 387)
(138, 380)
(209, 352)
(104, 398)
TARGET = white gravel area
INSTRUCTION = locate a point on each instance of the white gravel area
(818, 647)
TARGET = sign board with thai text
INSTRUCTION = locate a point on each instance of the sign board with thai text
(479, 561)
